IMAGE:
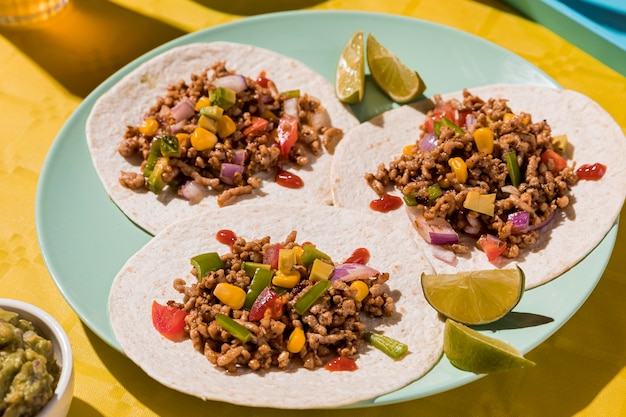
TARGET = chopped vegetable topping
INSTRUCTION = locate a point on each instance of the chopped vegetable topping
(391, 347)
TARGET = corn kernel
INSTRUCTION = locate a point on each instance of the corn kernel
(202, 139)
(508, 116)
(407, 149)
(150, 127)
(296, 340)
(459, 168)
(202, 102)
(286, 280)
(361, 289)
(298, 251)
(231, 295)
(483, 137)
(320, 270)
(225, 126)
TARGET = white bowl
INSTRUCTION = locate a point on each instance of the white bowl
(49, 328)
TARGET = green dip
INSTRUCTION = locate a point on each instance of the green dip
(29, 372)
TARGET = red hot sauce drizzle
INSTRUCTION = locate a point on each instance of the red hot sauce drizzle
(226, 237)
(386, 203)
(288, 179)
(359, 256)
(341, 363)
(592, 172)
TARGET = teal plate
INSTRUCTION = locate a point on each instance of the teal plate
(85, 239)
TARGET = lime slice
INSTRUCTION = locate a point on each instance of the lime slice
(476, 297)
(472, 351)
(399, 82)
(350, 72)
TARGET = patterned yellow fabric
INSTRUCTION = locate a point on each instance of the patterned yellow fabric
(47, 70)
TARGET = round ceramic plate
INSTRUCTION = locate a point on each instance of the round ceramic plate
(85, 238)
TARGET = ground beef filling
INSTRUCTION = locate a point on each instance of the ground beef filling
(262, 151)
(540, 193)
(332, 326)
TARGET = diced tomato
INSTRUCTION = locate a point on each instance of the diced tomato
(169, 321)
(591, 172)
(558, 161)
(262, 80)
(287, 134)
(462, 118)
(492, 246)
(257, 125)
(270, 256)
(267, 300)
(341, 363)
(446, 110)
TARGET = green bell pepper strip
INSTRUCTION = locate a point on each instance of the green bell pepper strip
(206, 262)
(410, 199)
(250, 267)
(434, 192)
(446, 122)
(311, 253)
(292, 93)
(169, 146)
(262, 278)
(514, 172)
(307, 300)
(223, 97)
(389, 346)
(155, 179)
(232, 327)
(155, 153)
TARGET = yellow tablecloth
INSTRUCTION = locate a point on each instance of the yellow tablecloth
(48, 69)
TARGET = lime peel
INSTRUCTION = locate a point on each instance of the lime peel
(472, 351)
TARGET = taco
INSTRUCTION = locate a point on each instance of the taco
(262, 368)
(491, 176)
(205, 125)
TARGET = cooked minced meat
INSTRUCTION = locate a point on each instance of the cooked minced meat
(253, 146)
(332, 326)
(542, 189)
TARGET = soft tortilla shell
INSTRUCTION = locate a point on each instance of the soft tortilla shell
(594, 137)
(149, 275)
(128, 100)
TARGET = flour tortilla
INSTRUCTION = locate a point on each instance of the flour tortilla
(593, 134)
(126, 103)
(149, 275)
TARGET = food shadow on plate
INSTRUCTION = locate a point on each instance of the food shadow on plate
(81, 63)
(515, 320)
(376, 102)
(248, 8)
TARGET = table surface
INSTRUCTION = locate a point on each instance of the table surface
(48, 69)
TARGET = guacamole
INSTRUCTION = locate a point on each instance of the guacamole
(29, 372)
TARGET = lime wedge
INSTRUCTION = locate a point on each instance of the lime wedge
(399, 82)
(350, 72)
(475, 352)
(476, 297)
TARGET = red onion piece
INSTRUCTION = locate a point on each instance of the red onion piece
(193, 192)
(544, 223)
(319, 118)
(183, 110)
(470, 120)
(291, 107)
(240, 157)
(519, 220)
(444, 254)
(352, 271)
(428, 142)
(228, 172)
(436, 231)
(177, 127)
(235, 82)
